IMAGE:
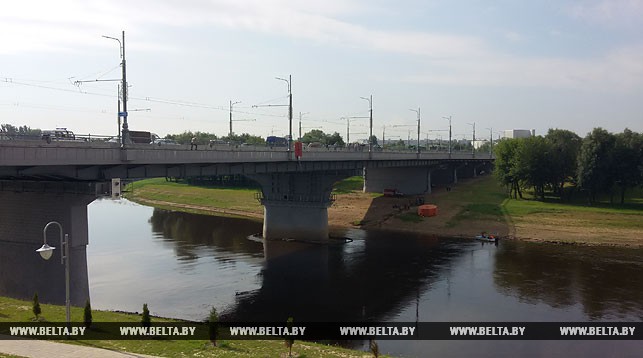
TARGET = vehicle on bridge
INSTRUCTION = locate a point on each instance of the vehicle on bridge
(142, 137)
(274, 141)
(164, 142)
(60, 134)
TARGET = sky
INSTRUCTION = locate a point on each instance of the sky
(500, 64)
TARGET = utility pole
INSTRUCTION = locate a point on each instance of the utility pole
(370, 126)
(300, 115)
(418, 112)
(118, 114)
(231, 104)
(125, 139)
(289, 82)
(473, 143)
(449, 118)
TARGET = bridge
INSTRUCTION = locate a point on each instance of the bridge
(42, 182)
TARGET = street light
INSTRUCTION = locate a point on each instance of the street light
(289, 82)
(47, 251)
(491, 142)
(300, 115)
(370, 132)
(231, 104)
(449, 118)
(418, 112)
(473, 143)
(125, 138)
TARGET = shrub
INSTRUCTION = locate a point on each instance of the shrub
(36, 306)
(87, 314)
(146, 320)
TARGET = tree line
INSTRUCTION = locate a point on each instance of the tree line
(600, 163)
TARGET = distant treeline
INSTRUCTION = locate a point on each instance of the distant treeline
(600, 163)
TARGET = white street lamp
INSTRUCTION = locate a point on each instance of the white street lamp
(47, 251)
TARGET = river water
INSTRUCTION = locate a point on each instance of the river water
(183, 264)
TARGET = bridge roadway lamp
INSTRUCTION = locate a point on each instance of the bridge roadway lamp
(47, 251)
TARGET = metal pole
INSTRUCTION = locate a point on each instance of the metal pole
(370, 135)
(118, 114)
(230, 132)
(65, 246)
(126, 138)
(418, 130)
(289, 114)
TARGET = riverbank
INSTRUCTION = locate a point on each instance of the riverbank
(469, 208)
(15, 311)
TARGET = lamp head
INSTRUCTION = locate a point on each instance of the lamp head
(46, 251)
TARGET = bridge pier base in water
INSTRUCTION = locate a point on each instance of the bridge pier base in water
(25, 209)
(296, 204)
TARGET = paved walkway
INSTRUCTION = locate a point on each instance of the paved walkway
(47, 349)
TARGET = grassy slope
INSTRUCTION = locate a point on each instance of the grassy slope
(12, 310)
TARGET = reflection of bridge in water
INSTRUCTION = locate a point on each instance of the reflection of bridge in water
(369, 279)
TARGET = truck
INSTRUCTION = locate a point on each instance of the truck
(142, 137)
(60, 134)
(274, 141)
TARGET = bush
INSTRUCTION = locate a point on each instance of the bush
(36, 306)
(146, 320)
(213, 326)
(87, 314)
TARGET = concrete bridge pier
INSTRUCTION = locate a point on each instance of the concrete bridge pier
(23, 216)
(296, 204)
(408, 180)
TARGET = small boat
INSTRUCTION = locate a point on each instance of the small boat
(487, 238)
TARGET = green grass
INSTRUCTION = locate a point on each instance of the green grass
(242, 199)
(410, 217)
(12, 310)
(348, 185)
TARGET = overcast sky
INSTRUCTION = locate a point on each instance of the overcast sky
(501, 64)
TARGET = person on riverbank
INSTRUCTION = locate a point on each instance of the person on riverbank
(193, 145)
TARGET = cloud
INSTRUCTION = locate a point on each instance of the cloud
(67, 25)
(613, 13)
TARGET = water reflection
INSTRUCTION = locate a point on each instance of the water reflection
(363, 280)
(183, 264)
(606, 282)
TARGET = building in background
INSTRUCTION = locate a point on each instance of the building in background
(519, 133)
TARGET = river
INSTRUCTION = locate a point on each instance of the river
(183, 264)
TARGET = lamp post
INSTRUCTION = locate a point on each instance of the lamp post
(231, 104)
(125, 138)
(300, 115)
(418, 112)
(370, 132)
(46, 251)
(490, 142)
(473, 143)
(289, 82)
(449, 118)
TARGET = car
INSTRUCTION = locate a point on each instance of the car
(60, 134)
(163, 142)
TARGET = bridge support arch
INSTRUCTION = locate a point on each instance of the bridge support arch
(296, 204)
(23, 215)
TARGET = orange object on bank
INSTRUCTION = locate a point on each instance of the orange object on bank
(427, 210)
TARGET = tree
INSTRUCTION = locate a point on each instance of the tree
(595, 163)
(35, 308)
(373, 139)
(375, 349)
(87, 314)
(335, 139)
(145, 319)
(531, 166)
(315, 135)
(628, 161)
(564, 146)
(505, 170)
(289, 341)
(213, 326)
(24, 130)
